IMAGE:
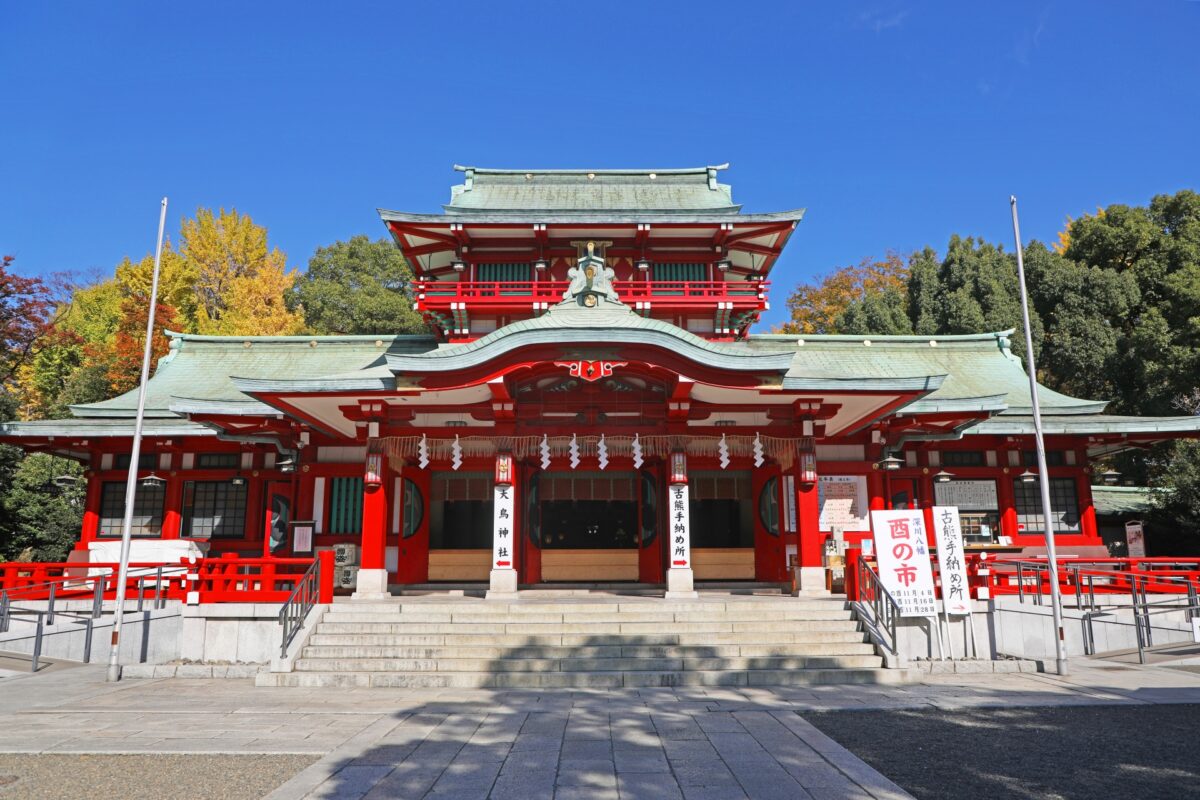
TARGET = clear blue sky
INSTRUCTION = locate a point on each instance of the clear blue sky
(894, 123)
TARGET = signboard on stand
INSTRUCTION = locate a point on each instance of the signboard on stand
(1135, 539)
(903, 557)
(502, 526)
(681, 540)
(956, 592)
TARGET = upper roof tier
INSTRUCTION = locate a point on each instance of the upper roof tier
(661, 191)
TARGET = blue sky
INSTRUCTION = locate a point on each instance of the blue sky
(894, 123)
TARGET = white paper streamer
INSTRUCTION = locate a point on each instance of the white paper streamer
(574, 451)
(637, 452)
(602, 452)
(545, 452)
(456, 454)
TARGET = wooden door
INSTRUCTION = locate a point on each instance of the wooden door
(766, 487)
(651, 502)
(411, 510)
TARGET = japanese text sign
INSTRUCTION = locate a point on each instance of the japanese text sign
(903, 555)
(956, 592)
(680, 527)
(503, 530)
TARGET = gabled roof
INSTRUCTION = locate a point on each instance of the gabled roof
(197, 370)
(982, 374)
(667, 191)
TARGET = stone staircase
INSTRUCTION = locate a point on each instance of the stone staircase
(545, 640)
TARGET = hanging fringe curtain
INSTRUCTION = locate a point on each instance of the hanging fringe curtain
(403, 449)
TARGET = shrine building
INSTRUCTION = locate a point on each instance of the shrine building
(591, 407)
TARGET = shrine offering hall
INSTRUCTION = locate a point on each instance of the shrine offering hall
(591, 407)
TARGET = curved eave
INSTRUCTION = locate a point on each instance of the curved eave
(596, 217)
(227, 408)
(954, 405)
(1120, 426)
(920, 383)
(253, 386)
(1081, 409)
(487, 349)
(93, 429)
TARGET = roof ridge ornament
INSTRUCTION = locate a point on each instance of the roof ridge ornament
(591, 280)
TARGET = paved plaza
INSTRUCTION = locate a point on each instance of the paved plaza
(424, 743)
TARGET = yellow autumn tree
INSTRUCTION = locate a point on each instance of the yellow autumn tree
(816, 307)
(176, 283)
(240, 283)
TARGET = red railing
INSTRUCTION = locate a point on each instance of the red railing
(228, 579)
(1076, 576)
(482, 294)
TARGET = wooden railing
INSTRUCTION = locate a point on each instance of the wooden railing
(481, 294)
(228, 579)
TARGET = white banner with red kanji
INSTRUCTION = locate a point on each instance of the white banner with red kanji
(502, 527)
(956, 592)
(903, 555)
(681, 539)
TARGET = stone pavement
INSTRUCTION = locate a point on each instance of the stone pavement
(412, 743)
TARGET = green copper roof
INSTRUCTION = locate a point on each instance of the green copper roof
(1088, 424)
(199, 368)
(668, 191)
(981, 371)
(1120, 500)
(99, 428)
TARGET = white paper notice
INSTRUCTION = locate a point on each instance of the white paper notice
(956, 594)
(903, 557)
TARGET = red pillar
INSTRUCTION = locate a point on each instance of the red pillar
(808, 515)
(1087, 511)
(91, 508)
(374, 519)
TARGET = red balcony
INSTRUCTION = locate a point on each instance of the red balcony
(667, 295)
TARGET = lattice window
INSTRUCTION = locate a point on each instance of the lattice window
(518, 271)
(217, 460)
(345, 505)
(680, 272)
(1064, 506)
(147, 509)
(214, 510)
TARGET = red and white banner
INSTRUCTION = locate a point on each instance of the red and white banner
(681, 538)
(903, 557)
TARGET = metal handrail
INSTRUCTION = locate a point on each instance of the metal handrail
(47, 616)
(885, 610)
(298, 605)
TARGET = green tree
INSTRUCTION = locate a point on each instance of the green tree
(43, 509)
(357, 286)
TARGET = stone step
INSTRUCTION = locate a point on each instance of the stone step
(852, 648)
(471, 618)
(397, 665)
(598, 680)
(841, 621)
(514, 610)
(843, 633)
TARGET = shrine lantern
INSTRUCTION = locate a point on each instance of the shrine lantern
(504, 469)
(808, 469)
(373, 475)
(678, 467)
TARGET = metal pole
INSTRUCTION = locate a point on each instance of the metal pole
(114, 668)
(1060, 649)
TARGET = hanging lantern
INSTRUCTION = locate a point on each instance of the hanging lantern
(373, 474)
(504, 469)
(678, 467)
(808, 468)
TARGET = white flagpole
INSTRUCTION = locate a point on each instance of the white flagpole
(114, 668)
(1060, 652)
